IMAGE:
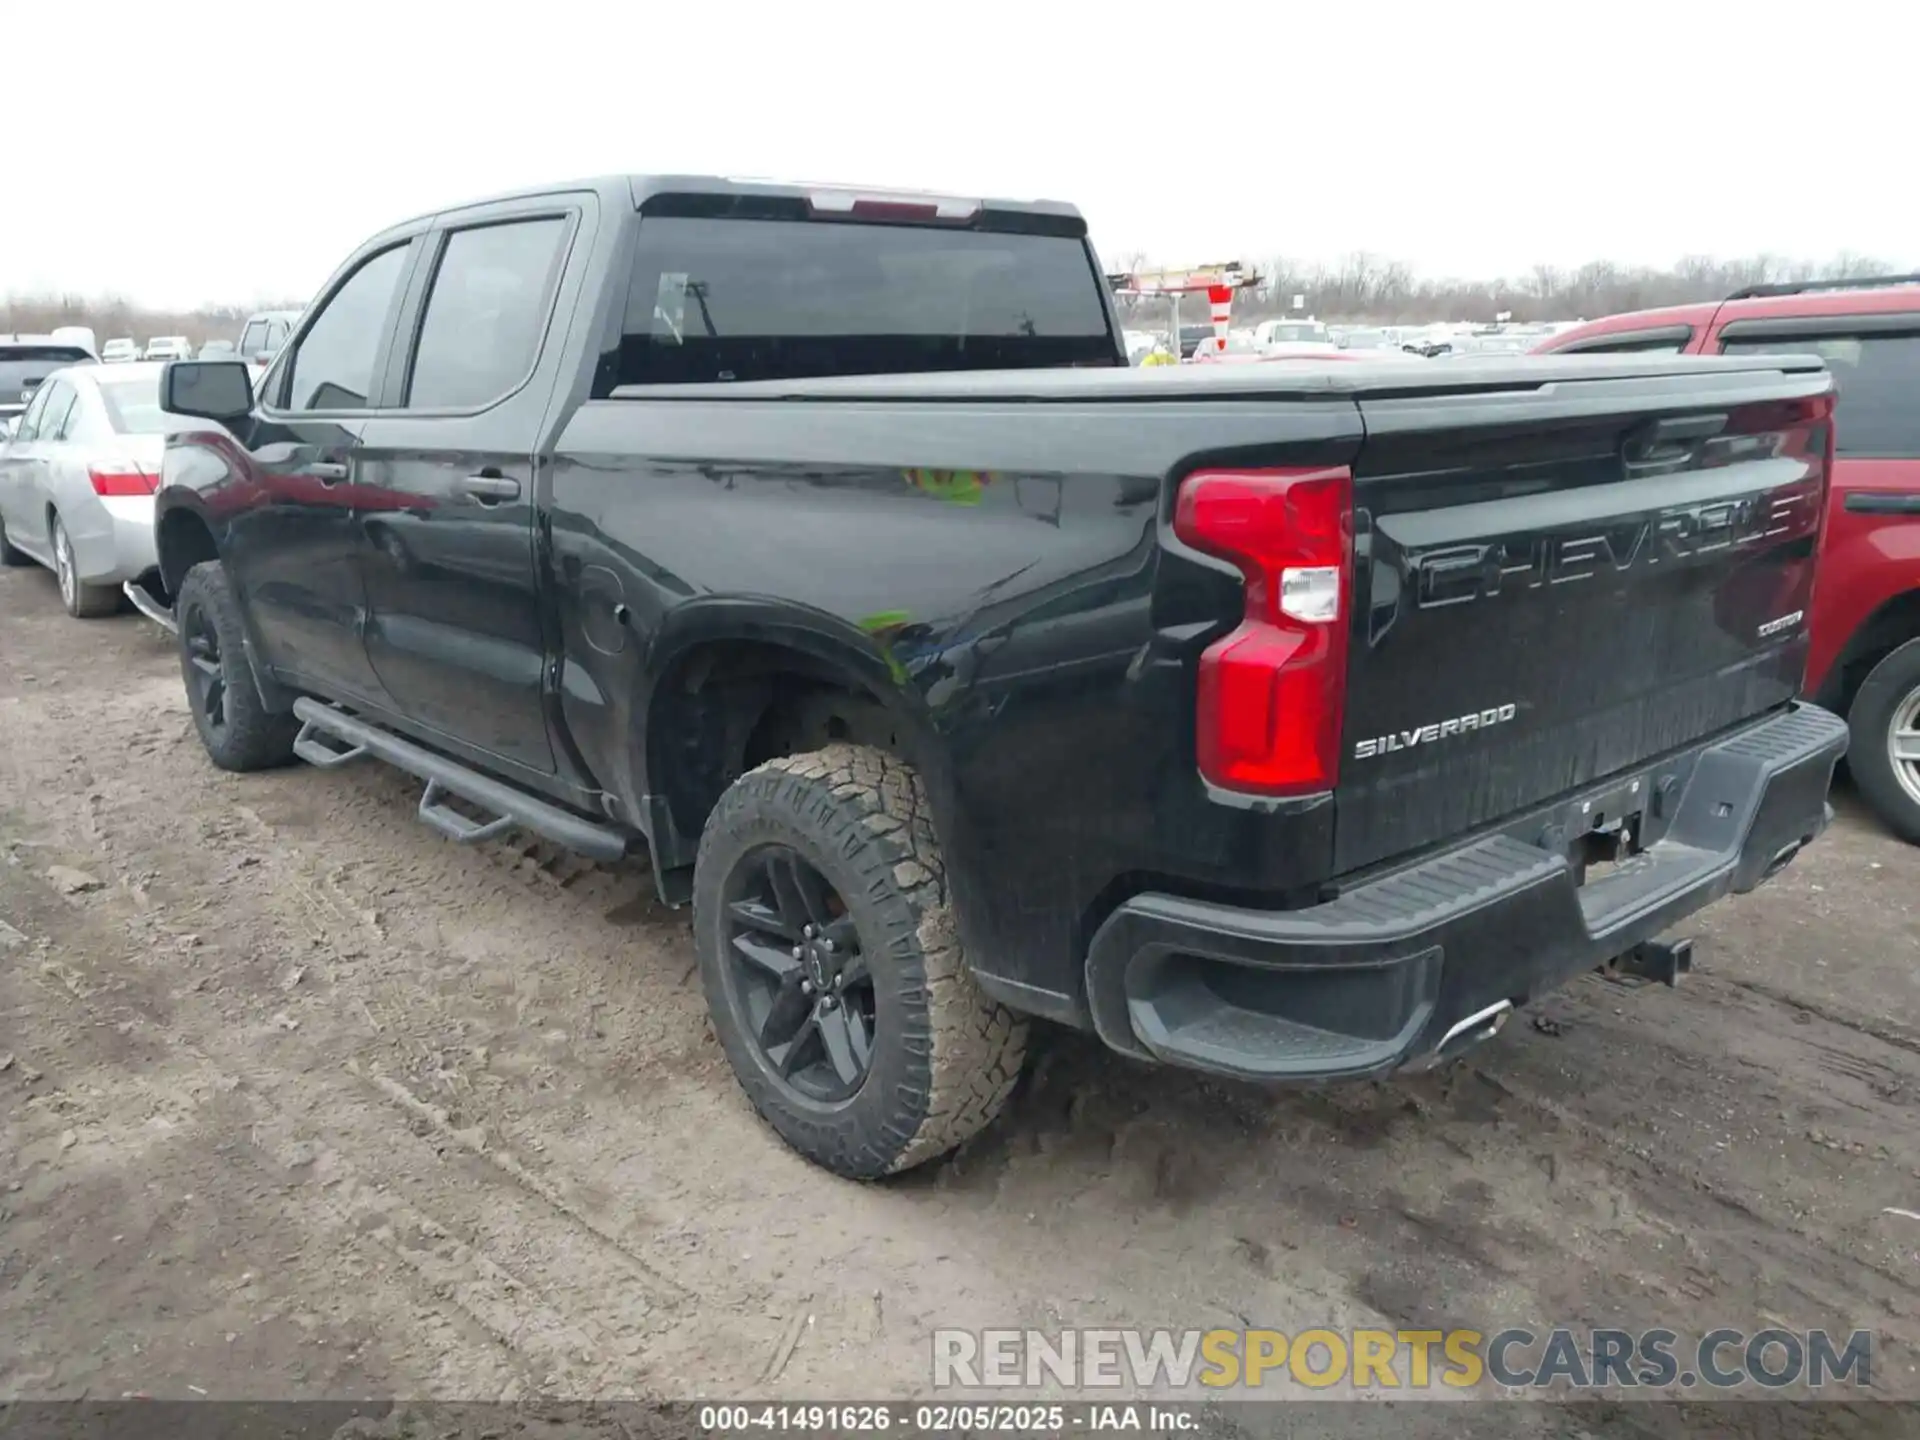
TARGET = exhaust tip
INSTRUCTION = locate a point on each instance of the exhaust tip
(1481, 1025)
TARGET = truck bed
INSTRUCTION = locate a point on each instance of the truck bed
(1054, 664)
(1277, 381)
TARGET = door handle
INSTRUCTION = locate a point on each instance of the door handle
(487, 489)
(327, 472)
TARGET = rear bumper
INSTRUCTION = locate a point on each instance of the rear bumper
(113, 539)
(1411, 964)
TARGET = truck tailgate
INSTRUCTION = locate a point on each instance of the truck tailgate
(1554, 583)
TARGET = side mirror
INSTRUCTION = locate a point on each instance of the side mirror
(209, 389)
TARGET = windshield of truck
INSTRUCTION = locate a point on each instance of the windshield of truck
(736, 299)
(24, 366)
(1296, 332)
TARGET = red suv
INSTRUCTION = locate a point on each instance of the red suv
(1865, 657)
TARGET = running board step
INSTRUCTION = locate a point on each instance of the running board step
(144, 602)
(320, 753)
(460, 829)
(508, 805)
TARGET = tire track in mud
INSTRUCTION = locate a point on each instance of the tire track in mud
(1885, 1031)
(285, 939)
(510, 1002)
(517, 1269)
(387, 934)
(472, 1139)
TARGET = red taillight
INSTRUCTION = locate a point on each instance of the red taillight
(1273, 693)
(122, 480)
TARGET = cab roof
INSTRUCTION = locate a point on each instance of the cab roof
(638, 190)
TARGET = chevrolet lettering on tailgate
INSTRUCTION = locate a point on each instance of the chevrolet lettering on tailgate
(1457, 574)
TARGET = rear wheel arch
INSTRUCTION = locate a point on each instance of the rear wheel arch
(724, 703)
(184, 539)
(1892, 624)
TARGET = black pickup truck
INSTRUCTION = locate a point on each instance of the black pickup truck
(1284, 722)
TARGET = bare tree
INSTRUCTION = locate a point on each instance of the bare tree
(110, 316)
(1365, 286)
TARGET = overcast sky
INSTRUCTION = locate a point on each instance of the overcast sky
(204, 150)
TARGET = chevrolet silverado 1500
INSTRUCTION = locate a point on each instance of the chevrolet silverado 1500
(1287, 722)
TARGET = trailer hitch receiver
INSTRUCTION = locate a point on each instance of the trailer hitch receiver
(1662, 960)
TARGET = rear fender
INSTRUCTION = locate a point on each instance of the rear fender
(862, 658)
(185, 504)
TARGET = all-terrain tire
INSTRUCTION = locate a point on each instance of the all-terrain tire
(11, 554)
(945, 1057)
(1889, 688)
(249, 736)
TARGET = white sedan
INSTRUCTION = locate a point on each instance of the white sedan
(77, 479)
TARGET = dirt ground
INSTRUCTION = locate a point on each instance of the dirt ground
(304, 1101)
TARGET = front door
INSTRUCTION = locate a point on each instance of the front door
(455, 630)
(291, 541)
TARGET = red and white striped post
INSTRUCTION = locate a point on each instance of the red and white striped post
(1217, 281)
(1220, 297)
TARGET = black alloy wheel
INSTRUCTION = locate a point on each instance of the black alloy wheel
(796, 965)
(831, 958)
(200, 642)
(235, 725)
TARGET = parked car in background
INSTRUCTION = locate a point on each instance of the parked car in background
(1865, 657)
(1364, 337)
(1242, 351)
(81, 335)
(263, 335)
(1239, 346)
(1431, 340)
(1468, 347)
(25, 361)
(216, 350)
(120, 351)
(1191, 337)
(169, 347)
(1271, 334)
(1368, 343)
(77, 482)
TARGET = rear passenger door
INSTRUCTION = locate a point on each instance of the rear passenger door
(456, 630)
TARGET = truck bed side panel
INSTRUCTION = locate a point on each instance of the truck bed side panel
(997, 566)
